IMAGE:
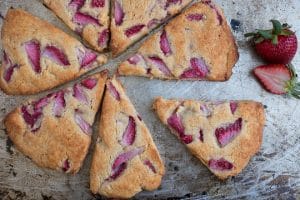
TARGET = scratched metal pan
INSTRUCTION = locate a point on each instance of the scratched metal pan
(274, 173)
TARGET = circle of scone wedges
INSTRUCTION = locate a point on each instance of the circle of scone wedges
(195, 44)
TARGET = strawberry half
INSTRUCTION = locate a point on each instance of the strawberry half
(278, 45)
(279, 79)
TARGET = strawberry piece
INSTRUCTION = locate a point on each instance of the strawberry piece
(172, 2)
(103, 38)
(134, 30)
(159, 63)
(198, 69)
(201, 137)
(33, 51)
(89, 83)
(55, 54)
(118, 13)
(220, 164)
(129, 133)
(117, 171)
(66, 165)
(153, 23)
(164, 44)
(213, 6)
(40, 104)
(86, 58)
(175, 122)
(228, 133)
(233, 106)
(76, 4)
(32, 118)
(78, 93)
(84, 19)
(135, 59)
(113, 91)
(59, 103)
(149, 164)
(8, 66)
(84, 126)
(98, 3)
(195, 17)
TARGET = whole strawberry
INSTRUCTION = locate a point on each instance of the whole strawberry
(278, 45)
(279, 79)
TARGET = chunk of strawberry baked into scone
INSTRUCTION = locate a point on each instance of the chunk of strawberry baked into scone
(222, 135)
(38, 56)
(132, 19)
(125, 159)
(196, 45)
(87, 18)
(55, 131)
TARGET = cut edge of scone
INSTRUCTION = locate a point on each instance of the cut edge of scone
(224, 155)
(55, 130)
(134, 163)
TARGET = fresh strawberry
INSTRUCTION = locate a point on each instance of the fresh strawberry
(279, 79)
(278, 45)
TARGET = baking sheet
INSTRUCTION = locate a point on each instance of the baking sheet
(274, 173)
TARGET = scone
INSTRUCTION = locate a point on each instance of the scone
(88, 18)
(132, 19)
(223, 135)
(55, 131)
(126, 159)
(37, 56)
(196, 45)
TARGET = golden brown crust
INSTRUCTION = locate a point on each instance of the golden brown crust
(238, 151)
(90, 32)
(140, 12)
(20, 27)
(137, 176)
(206, 39)
(58, 138)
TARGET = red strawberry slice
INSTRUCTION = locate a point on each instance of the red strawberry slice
(213, 6)
(226, 134)
(103, 38)
(135, 59)
(40, 104)
(160, 64)
(175, 122)
(34, 54)
(153, 23)
(98, 3)
(55, 54)
(113, 91)
(79, 94)
(149, 164)
(198, 69)
(220, 165)
(66, 165)
(76, 4)
(84, 19)
(84, 126)
(32, 118)
(134, 30)
(195, 17)
(233, 106)
(118, 13)
(59, 103)
(165, 44)
(86, 58)
(129, 133)
(89, 83)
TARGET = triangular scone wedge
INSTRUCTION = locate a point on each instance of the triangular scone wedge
(38, 56)
(132, 19)
(87, 18)
(196, 45)
(223, 135)
(55, 131)
(125, 159)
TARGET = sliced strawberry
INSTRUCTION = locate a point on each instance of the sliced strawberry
(201, 135)
(213, 6)
(103, 38)
(40, 104)
(113, 91)
(135, 59)
(84, 125)
(56, 54)
(89, 83)
(66, 165)
(195, 17)
(220, 165)
(86, 58)
(172, 2)
(59, 103)
(153, 23)
(79, 94)
(233, 106)
(198, 69)
(134, 30)
(33, 51)
(149, 164)
(8, 67)
(84, 19)
(129, 133)
(118, 13)
(98, 3)
(32, 118)
(76, 4)
(165, 44)
(226, 134)
(160, 64)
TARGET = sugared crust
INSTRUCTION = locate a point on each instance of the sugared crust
(139, 12)
(58, 138)
(20, 27)
(137, 176)
(206, 38)
(90, 32)
(240, 150)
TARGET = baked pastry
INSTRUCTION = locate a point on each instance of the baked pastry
(132, 19)
(125, 159)
(223, 135)
(55, 131)
(196, 45)
(37, 56)
(88, 18)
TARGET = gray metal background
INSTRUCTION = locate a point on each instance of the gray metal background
(274, 173)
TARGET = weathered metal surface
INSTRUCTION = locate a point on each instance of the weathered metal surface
(274, 173)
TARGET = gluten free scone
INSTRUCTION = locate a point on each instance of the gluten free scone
(125, 159)
(223, 135)
(196, 45)
(55, 131)
(132, 19)
(38, 56)
(90, 19)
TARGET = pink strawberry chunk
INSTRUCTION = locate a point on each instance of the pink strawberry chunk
(79, 94)
(195, 17)
(76, 4)
(175, 122)
(113, 91)
(227, 133)
(59, 104)
(40, 104)
(103, 38)
(201, 135)
(89, 83)
(98, 3)
(149, 164)
(86, 58)
(172, 2)
(153, 23)
(8, 66)
(118, 13)
(160, 64)
(233, 106)
(135, 59)
(84, 126)
(198, 69)
(165, 44)
(129, 133)
(220, 165)
(57, 55)
(134, 30)
(66, 165)
(84, 19)
(33, 51)
(213, 6)
(117, 171)
(32, 118)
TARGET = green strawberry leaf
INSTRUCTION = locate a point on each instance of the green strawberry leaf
(277, 27)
